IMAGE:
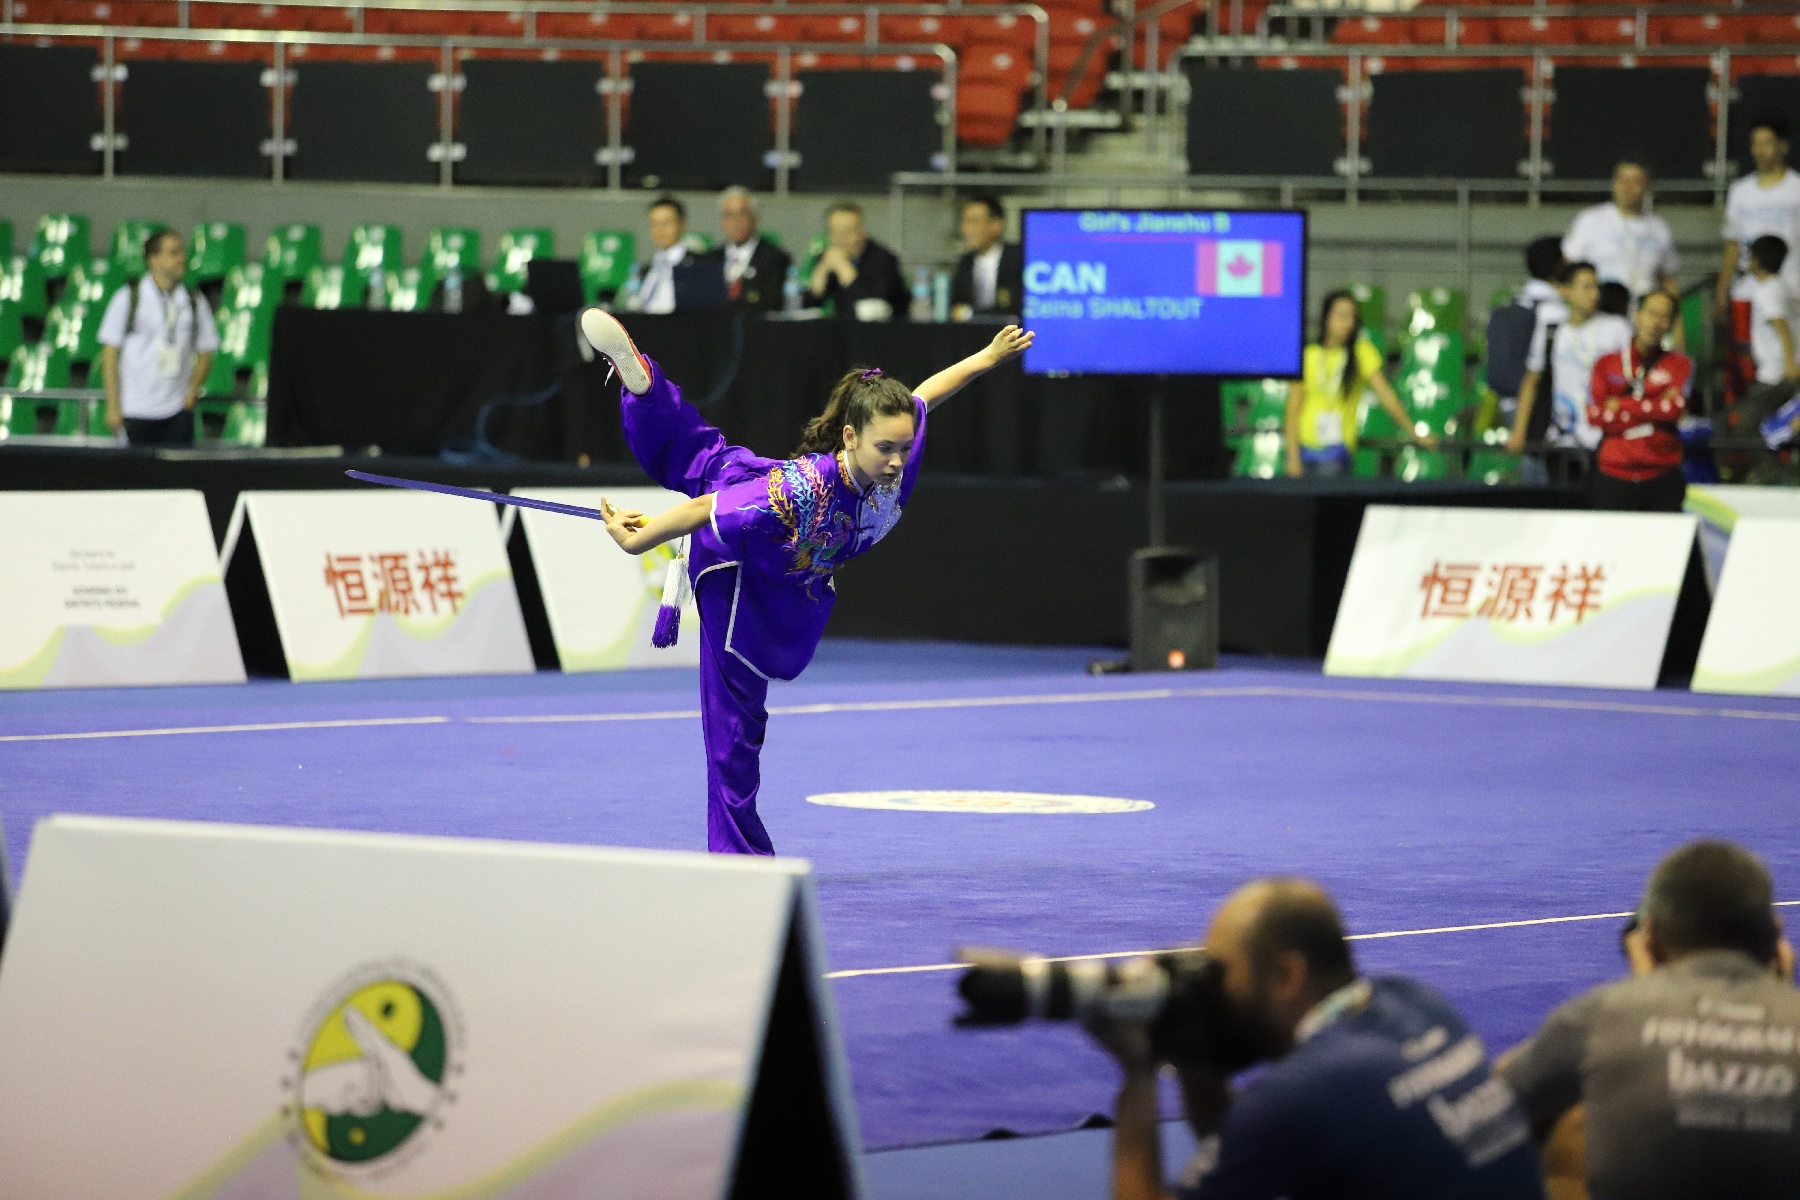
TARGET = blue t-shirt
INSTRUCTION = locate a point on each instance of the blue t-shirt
(1396, 1101)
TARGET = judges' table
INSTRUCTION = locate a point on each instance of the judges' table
(414, 383)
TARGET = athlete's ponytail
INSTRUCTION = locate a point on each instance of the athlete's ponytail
(859, 397)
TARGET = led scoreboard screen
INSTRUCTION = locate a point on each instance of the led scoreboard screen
(1152, 292)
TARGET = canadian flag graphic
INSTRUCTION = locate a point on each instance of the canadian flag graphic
(1237, 268)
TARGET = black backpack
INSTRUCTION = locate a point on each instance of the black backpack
(1509, 330)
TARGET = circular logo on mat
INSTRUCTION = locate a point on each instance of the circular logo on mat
(371, 1070)
(981, 802)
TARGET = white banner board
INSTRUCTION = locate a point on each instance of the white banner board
(371, 583)
(1510, 595)
(102, 589)
(600, 600)
(212, 1012)
(1752, 642)
(1719, 505)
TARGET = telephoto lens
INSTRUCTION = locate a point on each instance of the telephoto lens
(1178, 992)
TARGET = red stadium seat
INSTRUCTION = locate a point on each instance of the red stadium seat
(1764, 64)
(952, 31)
(997, 64)
(1534, 31)
(762, 27)
(1371, 31)
(426, 21)
(1607, 31)
(672, 27)
(595, 25)
(834, 27)
(986, 113)
(1782, 29)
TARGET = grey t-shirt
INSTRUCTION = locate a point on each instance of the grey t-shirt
(1688, 1075)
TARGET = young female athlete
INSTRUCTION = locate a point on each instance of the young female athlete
(767, 536)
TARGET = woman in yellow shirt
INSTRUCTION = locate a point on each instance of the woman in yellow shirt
(1322, 406)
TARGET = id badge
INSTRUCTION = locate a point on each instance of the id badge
(168, 361)
(1328, 427)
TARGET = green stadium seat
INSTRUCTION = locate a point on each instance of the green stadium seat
(94, 282)
(1256, 409)
(1431, 381)
(12, 329)
(216, 248)
(372, 248)
(1696, 329)
(61, 241)
(450, 248)
(1436, 310)
(1260, 456)
(23, 284)
(332, 287)
(128, 244)
(292, 251)
(606, 259)
(6, 239)
(408, 290)
(38, 368)
(74, 327)
(1416, 463)
(250, 286)
(1493, 466)
(517, 248)
(1372, 301)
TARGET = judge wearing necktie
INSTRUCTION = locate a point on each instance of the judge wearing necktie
(755, 268)
(990, 275)
(676, 279)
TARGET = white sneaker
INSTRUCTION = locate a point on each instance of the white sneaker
(606, 335)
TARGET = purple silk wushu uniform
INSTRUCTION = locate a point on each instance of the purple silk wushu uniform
(762, 577)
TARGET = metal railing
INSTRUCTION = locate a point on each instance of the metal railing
(1225, 18)
(615, 85)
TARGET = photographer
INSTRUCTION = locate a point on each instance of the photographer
(1376, 1087)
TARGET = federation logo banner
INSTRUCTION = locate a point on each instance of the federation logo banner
(1238, 268)
(1510, 596)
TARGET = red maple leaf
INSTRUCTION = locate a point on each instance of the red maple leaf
(1239, 266)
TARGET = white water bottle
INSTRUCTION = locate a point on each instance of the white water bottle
(633, 281)
(453, 292)
(921, 295)
(377, 297)
(790, 289)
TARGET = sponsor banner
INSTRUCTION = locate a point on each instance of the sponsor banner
(311, 1015)
(1752, 642)
(1510, 596)
(1719, 505)
(602, 601)
(374, 583)
(100, 589)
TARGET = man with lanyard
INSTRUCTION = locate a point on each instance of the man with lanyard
(1639, 394)
(157, 341)
(1764, 203)
(1632, 250)
(1374, 1088)
(1568, 353)
(755, 268)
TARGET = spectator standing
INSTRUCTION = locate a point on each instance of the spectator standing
(1639, 396)
(157, 341)
(1376, 1087)
(1566, 352)
(1324, 405)
(755, 268)
(1686, 1073)
(1764, 203)
(1510, 327)
(990, 276)
(1632, 249)
(857, 274)
(1772, 346)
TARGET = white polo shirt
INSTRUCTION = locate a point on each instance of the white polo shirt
(1769, 300)
(157, 355)
(1578, 348)
(1753, 211)
(1635, 251)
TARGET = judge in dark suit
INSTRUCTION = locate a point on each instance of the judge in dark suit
(859, 275)
(754, 267)
(676, 279)
(990, 276)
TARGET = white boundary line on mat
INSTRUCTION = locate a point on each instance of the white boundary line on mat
(862, 706)
(352, 723)
(1354, 937)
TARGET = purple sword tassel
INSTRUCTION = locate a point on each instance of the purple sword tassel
(676, 591)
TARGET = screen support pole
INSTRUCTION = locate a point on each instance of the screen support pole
(1158, 506)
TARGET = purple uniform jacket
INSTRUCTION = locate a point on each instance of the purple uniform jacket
(783, 526)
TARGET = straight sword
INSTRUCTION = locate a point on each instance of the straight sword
(420, 485)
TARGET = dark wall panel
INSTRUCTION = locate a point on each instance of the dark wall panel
(699, 125)
(193, 118)
(1450, 124)
(531, 122)
(1760, 96)
(853, 129)
(1248, 121)
(49, 109)
(364, 122)
(1653, 115)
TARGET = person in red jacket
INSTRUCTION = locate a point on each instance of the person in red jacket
(1637, 398)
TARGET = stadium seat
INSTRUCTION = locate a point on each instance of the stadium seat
(95, 281)
(996, 63)
(598, 25)
(1778, 28)
(6, 240)
(332, 287)
(128, 244)
(450, 248)
(38, 368)
(674, 27)
(1607, 31)
(217, 247)
(371, 248)
(409, 290)
(1436, 309)
(23, 285)
(1372, 301)
(1706, 30)
(1431, 381)
(606, 259)
(1260, 455)
(1415, 463)
(835, 27)
(757, 27)
(292, 251)
(952, 31)
(449, 22)
(1372, 31)
(74, 327)
(517, 248)
(12, 329)
(986, 112)
(1533, 31)
(60, 242)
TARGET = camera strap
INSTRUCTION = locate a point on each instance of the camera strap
(1351, 998)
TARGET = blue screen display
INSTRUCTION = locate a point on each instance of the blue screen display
(1145, 292)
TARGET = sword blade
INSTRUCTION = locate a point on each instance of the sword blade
(445, 489)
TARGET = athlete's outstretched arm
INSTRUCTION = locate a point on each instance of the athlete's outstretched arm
(1008, 343)
(636, 535)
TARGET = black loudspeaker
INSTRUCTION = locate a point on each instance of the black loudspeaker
(1174, 596)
